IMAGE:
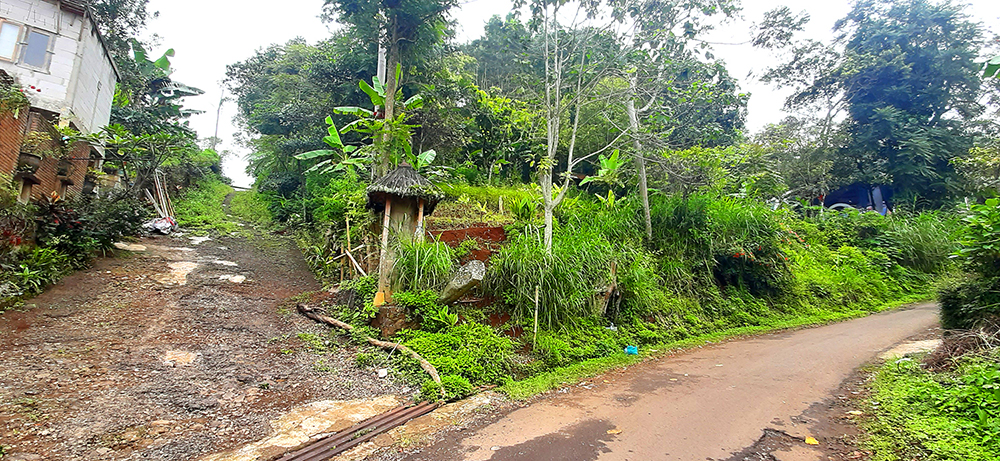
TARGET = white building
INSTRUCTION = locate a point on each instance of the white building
(55, 51)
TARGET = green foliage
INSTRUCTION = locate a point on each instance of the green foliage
(976, 299)
(940, 416)
(969, 303)
(251, 207)
(201, 207)
(566, 280)
(423, 265)
(423, 305)
(361, 311)
(981, 239)
(455, 387)
(473, 351)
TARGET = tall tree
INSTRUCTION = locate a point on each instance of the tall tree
(906, 73)
(402, 27)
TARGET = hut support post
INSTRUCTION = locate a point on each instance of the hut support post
(383, 294)
(419, 233)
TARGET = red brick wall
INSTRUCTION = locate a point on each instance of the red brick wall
(11, 133)
(11, 136)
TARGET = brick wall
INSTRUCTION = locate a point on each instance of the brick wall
(47, 174)
(11, 132)
(11, 136)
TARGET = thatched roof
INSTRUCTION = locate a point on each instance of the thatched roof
(404, 182)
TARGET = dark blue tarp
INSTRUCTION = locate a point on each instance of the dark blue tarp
(862, 196)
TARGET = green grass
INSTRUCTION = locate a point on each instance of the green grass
(201, 207)
(251, 207)
(947, 416)
(571, 374)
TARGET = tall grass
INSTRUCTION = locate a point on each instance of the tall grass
(423, 265)
(565, 280)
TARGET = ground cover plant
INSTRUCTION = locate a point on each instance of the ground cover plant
(950, 415)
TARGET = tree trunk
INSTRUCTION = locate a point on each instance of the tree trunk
(390, 94)
(640, 162)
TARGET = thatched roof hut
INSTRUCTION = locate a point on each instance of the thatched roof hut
(404, 182)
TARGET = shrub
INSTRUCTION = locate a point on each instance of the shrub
(471, 350)
(970, 303)
(423, 304)
(455, 387)
(942, 416)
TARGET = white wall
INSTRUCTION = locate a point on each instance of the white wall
(80, 81)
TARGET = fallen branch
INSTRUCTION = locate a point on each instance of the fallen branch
(315, 315)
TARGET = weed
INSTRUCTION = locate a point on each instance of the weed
(941, 416)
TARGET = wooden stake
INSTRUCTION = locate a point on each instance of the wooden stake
(383, 271)
(419, 233)
(534, 342)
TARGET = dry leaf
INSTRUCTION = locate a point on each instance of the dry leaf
(614, 431)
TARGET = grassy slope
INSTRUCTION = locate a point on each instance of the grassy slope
(574, 373)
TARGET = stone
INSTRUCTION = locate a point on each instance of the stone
(469, 276)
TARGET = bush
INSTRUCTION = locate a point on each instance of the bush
(970, 303)
(473, 351)
(455, 387)
(423, 305)
(939, 416)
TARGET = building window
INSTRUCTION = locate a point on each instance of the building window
(10, 33)
(35, 52)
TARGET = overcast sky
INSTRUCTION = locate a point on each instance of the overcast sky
(209, 34)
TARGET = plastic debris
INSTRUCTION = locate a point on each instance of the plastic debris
(614, 431)
(811, 441)
(382, 372)
(631, 350)
(161, 225)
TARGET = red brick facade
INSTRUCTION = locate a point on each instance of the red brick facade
(12, 134)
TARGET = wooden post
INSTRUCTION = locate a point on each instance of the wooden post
(383, 294)
(348, 218)
(534, 342)
(419, 233)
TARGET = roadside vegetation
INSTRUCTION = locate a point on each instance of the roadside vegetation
(947, 407)
(637, 210)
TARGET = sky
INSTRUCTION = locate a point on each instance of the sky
(209, 34)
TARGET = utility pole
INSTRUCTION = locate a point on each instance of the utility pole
(218, 115)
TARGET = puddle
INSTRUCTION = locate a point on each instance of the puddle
(199, 240)
(233, 278)
(174, 358)
(178, 273)
(304, 423)
(224, 263)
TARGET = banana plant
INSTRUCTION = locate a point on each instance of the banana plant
(609, 172)
(992, 68)
(339, 156)
(386, 136)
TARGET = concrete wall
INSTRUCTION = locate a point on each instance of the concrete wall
(79, 82)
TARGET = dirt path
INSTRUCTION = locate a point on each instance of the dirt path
(705, 404)
(169, 354)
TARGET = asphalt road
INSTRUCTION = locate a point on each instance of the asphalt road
(703, 404)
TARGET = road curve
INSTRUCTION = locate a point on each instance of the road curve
(707, 403)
